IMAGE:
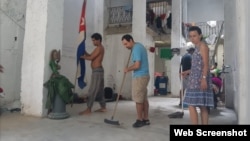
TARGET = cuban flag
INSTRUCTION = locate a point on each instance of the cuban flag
(81, 48)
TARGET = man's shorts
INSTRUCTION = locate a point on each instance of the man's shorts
(139, 89)
(185, 82)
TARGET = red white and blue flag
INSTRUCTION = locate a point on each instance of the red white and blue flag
(81, 48)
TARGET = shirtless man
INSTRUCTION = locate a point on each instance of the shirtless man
(96, 89)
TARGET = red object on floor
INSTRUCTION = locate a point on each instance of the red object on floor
(1, 90)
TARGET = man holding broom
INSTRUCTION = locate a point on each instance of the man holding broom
(140, 79)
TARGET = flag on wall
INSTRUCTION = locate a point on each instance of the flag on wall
(81, 48)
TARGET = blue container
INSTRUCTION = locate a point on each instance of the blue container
(161, 83)
(185, 105)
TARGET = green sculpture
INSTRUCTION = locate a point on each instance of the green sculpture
(59, 88)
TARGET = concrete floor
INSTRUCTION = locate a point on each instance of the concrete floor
(15, 126)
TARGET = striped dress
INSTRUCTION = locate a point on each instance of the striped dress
(194, 96)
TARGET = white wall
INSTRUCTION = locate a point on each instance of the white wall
(176, 42)
(242, 10)
(151, 60)
(115, 3)
(237, 56)
(159, 62)
(94, 23)
(12, 22)
(43, 33)
(205, 10)
(116, 59)
(219, 56)
(230, 56)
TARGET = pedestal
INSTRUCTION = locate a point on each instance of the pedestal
(59, 109)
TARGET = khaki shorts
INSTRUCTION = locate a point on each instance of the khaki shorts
(139, 89)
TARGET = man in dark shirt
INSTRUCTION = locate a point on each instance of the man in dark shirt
(185, 65)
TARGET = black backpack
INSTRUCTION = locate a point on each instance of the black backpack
(109, 95)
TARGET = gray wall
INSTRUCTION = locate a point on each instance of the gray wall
(237, 56)
(205, 10)
(230, 45)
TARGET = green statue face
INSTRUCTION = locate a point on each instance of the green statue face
(55, 55)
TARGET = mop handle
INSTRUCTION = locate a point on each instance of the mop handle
(123, 80)
(181, 81)
(182, 91)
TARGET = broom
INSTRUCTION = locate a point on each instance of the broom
(111, 121)
(179, 114)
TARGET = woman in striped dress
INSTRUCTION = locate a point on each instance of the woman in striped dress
(199, 90)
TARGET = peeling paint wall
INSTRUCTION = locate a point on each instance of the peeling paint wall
(12, 24)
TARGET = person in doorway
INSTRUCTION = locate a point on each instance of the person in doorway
(96, 89)
(199, 90)
(184, 66)
(214, 69)
(140, 80)
(169, 21)
(217, 84)
(214, 66)
(150, 16)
